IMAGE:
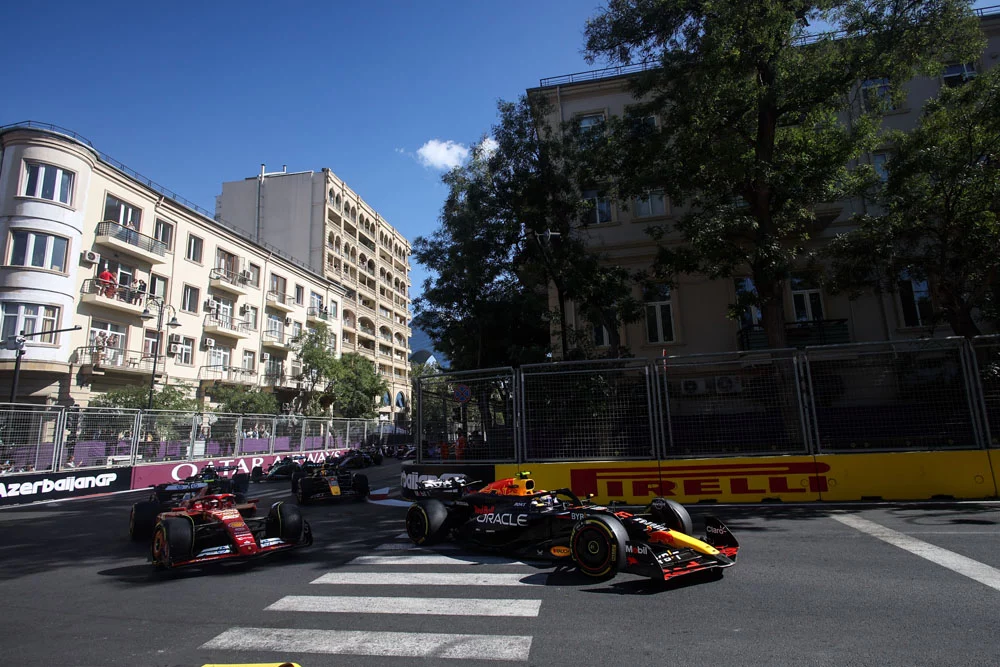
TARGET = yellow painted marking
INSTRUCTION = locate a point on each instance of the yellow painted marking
(252, 664)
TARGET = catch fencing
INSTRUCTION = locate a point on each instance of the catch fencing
(912, 395)
(38, 438)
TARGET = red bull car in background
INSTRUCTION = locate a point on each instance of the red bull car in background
(513, 517)
(211, 528)
(333, 479)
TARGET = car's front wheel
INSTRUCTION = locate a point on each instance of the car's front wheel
(597, 545)
(173, 541)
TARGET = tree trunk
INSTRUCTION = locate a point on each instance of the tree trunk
(772, 311)
(961, 321)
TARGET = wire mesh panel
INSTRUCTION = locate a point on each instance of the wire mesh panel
(255, 433)
(588, 410)
(733, 404)
(467, 416)
(904, 395)
(986, 356)
(216, 435)
(339, 432)
(29, 438)
(316, 434)
(104, 436)
(165, 435)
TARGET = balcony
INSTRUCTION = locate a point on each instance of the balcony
(318, 314)
(798, 334)
(281, 301)
(122, 299)
(368, 331)
(226, 326)
(278, 380)
(227, 374)
(277, 339)
(131, 242)
(102, 360)
(234, 282)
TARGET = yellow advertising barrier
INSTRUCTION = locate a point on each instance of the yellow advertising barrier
(909, 475)
(890, 476)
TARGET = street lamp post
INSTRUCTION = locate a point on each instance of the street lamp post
(161, 308)
(16, 344)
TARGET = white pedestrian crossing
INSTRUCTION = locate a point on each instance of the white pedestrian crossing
(453, 569)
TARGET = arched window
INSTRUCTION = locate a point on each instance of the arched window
(400, 400)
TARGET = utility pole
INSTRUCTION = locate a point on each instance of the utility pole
(16, 344)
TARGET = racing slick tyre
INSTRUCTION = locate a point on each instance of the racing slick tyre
(173, 540)
(303, 490)
(296, 476)
(142, 519)
(671, 514)
(361, 486)
(285, 521)
(256, 474)
(597, 545)
(240, 486)
(426, 521)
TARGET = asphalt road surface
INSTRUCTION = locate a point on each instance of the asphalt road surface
(862, 585)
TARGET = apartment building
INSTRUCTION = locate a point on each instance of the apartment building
(155, 284)
(316, 218)
(692, 317)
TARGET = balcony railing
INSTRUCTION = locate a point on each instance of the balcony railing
(798, 334)
(230, 324)
(226, 373)
(131, 237)
(237, 279)
(125, 294)
(281, 298)
(318, 312)
(105, 358)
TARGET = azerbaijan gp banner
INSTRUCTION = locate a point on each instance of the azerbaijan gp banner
(31, 488)
(144, 476)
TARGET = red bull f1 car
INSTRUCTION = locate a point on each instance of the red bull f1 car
(332, 479)
(212, 528)
(513, 517)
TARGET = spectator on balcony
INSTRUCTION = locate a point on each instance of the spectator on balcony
(138, 292)
(131, 233)
(107, 283)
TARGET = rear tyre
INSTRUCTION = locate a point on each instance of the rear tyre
(285, 521)
(426, 521)
(360, 486)
(672, 515)
(142, 520)
(296, 477)
(303, 490)
(173, 540)
(256, 474)
(597, 545)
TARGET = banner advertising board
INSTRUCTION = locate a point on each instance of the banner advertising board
(416, 472)
(17, 489)
(144, 476)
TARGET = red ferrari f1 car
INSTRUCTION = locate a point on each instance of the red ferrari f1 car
(513, 517)
(212, 528)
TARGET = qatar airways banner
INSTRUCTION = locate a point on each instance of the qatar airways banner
(144, 476)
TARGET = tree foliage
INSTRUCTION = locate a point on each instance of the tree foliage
(750, 134)
(938, 209)
(237, 399)
(345, 386)
(136, 397)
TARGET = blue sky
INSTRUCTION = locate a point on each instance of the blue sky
(191, 95)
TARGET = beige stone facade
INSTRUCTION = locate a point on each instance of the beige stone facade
(692, 318)
(69, 214)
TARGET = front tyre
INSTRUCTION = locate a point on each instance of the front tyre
(672, 515)
(597, 545)
(285, 521)
(173, 541)
(361, 487)
(425, 521)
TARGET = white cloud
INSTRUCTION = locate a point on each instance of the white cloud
(438, 154)
(488, 146)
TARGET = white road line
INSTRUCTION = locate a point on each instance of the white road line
(410, 546)
(355, 642)
(430, 579)
(436, 559)
(434, 606)
(972, 569)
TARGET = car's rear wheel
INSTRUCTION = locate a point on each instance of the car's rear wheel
(426, 521)
(142, 519)
(361, 486)
(256, 474)
(303, 490)
(296, 477)
(597, 545)
(285, 521)
(173, 540)
(671, 514)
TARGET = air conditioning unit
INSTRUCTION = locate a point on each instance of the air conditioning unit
(209, 305)
(90, 257)
(288, 321)
(694, 386)
(175, 348)
(245, 275)
(728, 384)
(174, 338)
(244, 309)
(209, 342)
(265, 356)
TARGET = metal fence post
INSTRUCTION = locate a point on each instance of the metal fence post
(134, 448)
(803, 394)
(977, 397)
(58, 438)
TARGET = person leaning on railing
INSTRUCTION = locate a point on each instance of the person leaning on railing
(107, 283)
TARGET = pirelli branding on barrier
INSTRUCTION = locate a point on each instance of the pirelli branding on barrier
(17, 489)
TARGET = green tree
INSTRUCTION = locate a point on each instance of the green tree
(355, 388)
(237, 399)
(135, 397)
(938, 222)
(750, 137)
(318, 359)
